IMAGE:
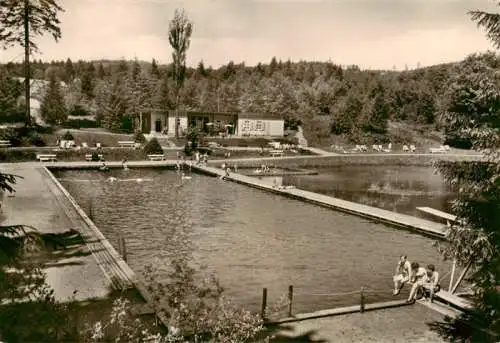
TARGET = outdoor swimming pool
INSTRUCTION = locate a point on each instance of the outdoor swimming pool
(251, 238)
(395, 188)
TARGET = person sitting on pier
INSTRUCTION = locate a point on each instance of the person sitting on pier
(419, 278)
(402, 275)
(432, 285)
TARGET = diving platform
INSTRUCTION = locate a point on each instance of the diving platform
(438, 213)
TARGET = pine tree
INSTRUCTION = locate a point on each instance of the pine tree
(20, 20)
(69, 70)
(53, 109)
(88, 81)
(155, 72)
(101, 73)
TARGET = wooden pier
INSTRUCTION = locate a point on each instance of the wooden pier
(420, 225)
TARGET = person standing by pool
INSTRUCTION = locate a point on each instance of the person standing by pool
(419, 278)
(402, 275)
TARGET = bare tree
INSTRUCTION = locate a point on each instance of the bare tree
(19, 19)
(179, 35)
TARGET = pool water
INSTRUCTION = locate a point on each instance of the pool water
(250, 238)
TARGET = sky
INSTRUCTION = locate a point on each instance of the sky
(373, 34)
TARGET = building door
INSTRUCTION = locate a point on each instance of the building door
(158, 125)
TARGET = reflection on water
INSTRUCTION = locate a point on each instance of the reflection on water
(399, 189)
(251, 238)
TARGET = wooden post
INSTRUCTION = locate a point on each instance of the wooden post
(452, 276)
(290, 300)
(461, 277)
(123, 248)
(362, 301)
(91, 212)
(264, 303)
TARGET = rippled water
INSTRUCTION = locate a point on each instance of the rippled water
(395, 188)
(251, 238)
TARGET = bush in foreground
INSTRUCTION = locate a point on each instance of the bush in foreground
(139, 138)
(153, 147)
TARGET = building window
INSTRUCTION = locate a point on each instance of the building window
(246, 125)
(259, 125)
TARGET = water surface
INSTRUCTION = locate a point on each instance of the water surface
(251, 238)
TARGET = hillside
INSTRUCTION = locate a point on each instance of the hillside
(332, 103)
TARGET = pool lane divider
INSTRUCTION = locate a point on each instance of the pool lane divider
(422, 226)
(120, 275)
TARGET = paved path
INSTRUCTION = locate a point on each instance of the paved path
(39, 202)
(389, 217)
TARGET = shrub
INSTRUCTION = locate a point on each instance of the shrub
(36, 140)
(12, 136)
(187, 149)
(13, 116)
(80, 123)
(139, 138)
(79, 111)
(153, 147)
(68, 136)
(95, 156)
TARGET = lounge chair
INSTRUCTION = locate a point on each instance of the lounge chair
(413, 148)
(84, 145)
(405, 148)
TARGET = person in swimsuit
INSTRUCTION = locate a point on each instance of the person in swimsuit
(419, 278)
(402, 275)
(432, 283)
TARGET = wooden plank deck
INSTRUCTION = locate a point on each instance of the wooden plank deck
(438, 213)
(420, 225)
(454, 300)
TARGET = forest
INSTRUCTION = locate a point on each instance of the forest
(332, 103)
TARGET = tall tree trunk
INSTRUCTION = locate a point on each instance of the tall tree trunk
(27, 92)
(177, 114)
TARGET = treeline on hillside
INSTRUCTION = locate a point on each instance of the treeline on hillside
(325, 98)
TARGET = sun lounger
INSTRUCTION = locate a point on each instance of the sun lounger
(156, 157)
(46, 157)
(405, 148)
(413, 148)
(126, 144)
(4, 144)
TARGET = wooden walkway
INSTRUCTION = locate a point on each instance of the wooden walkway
(423, 226)
(454, 300)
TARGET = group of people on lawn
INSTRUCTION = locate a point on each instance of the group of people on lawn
(424, 279)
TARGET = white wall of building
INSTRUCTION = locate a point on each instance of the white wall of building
(260, 127)
(183, 125)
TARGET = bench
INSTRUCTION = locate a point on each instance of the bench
(277, 153)
(46, 157)
(157, 157)
(4, 144)
(88, 157)
(126, 144)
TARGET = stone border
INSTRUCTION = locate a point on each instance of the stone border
(122, 266)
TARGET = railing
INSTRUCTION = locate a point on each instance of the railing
(353, 306)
